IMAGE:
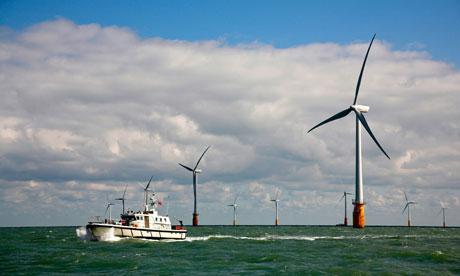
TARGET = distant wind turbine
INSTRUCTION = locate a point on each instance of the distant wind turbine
(167, 206)
(408, 204)
(443, 210)
(358, 213)
(234, 210)
(146, 194)
(123, 199)
(276, 200)
(195, 172)
(109, 208)
(345, 220)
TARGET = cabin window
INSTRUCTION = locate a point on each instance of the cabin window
(156, 219)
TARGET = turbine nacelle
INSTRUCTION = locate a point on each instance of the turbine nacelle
(360, 108)
(197, 171)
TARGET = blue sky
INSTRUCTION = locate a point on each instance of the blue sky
(433, 26)
(100, 94)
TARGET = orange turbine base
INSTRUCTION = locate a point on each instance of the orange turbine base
(195, 219)
(345, 222)
(358, 216)
(276, 222)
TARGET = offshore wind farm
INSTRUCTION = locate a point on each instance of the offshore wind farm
(199, 138)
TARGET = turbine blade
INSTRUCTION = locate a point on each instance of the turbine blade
(106, 209)
(201, 157)
(366, 126)
(124, 193)
(148, 183)
(406, 197)
(342, 197)
(442, 205)
(405, 208)
(439, 213)
(339, 115)
(186, 167)
(362, 70)
(278, 194)
(236, 197)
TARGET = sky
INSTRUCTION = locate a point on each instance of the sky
(97, 95)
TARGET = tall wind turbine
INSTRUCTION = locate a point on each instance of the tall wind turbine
(195, 172)
(408, 204)
(276, 200)
(358, 213)
(123, 199)
(443, 214)
(109, 208)
(345, 220)
(234, 210)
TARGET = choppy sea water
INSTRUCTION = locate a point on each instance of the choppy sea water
(241, 250)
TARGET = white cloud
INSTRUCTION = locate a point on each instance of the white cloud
(87, 109)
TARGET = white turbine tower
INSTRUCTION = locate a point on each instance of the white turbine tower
(195, 172)
(408, 204)
(234, 210)
(123, 199)
(345, 220)
(109, 208)
(443, 210)
(276, 200)
(358, 213)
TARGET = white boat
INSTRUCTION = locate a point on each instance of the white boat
(147, 224)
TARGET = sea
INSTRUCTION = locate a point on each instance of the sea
(240, 250)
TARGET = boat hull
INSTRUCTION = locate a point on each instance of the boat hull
(102, 231)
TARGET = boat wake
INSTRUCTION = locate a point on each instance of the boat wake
(298, 238)
(109, 236)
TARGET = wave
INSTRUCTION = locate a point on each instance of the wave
(83, 234)
(300, 237)
(86, 235)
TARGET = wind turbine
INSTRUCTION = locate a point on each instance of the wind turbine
(167, 206)
(234, 210)
(123, 198)
(358, 213)
(443, 214)
(109, 208)
(195, 172)
(146, 194)
(408, 204)
(345, 220)
(276, 200)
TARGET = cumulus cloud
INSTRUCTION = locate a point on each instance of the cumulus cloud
(87, 109)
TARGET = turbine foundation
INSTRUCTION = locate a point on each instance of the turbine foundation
(358, 216)
(444, 224)
(409, 223)
(195, 219)
(234, 222)
(345, 222)
(276, 222)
